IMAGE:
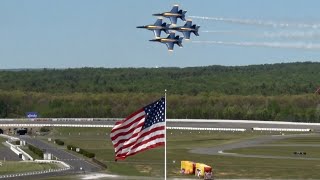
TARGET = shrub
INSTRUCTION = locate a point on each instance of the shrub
(71, 147)
(36, 150)
(44, 129)
(59, 142)
(82, 151)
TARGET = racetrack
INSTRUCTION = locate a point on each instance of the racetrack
(259, 141)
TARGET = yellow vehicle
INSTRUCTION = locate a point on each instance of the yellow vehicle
(188, 167)
(203, 170)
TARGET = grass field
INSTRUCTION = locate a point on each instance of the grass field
(312, 152)
(1, 141)
(151, 163)
(10, 167)
(315, 139)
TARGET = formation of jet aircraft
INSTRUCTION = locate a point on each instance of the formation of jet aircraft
(170, 29)
(170, 41)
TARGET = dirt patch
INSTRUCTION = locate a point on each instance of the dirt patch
(144, 169)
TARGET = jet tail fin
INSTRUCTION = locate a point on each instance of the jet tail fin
(166, 29)
(180, 42)
(183, 15)
(195, 32)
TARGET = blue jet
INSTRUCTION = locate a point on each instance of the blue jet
(174, 14)
(187, 29)
(157, 27)
(170, 41)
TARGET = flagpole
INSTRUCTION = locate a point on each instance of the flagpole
(165, 135)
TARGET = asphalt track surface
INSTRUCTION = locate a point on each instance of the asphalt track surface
(74, 161)
(259, 141)
(8, 155)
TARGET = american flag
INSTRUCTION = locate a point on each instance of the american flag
(142, 130)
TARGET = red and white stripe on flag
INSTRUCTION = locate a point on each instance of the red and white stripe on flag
(142, 130)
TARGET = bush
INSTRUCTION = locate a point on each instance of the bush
(82, 151)
(36, 150)
(44, 129)
(59, 142)
(71, 147)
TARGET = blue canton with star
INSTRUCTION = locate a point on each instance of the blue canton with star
(154, 113)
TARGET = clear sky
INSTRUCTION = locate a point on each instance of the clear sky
(103, 33)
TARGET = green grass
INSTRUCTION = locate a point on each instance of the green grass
(32, 154)
(313, 139)
(1, 141)
(151, 162)
(11, 167)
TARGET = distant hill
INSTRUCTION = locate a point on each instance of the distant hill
(268, 79)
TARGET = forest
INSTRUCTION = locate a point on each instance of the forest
(282, 92)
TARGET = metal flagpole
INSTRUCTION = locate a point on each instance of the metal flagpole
(165, 135)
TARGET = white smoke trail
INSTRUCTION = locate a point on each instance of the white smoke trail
(299, 45)
(282, 34)
(259, 22)
(296, 34)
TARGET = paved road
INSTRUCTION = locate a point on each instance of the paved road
(74, 161)
(8, 155)
(259, 141)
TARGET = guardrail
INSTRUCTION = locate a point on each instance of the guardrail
(32, 173)
(180, 128)
(168, 120)
(281, 129)
(55, 125)
(207, 129)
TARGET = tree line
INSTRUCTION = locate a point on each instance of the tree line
(282, 92)
(267, 80)
(297, 108)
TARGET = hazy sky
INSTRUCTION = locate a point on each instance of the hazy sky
(102, 33)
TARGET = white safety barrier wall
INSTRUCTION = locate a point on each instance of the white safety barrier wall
(53, 162)
(25, 156)
(9, 137)
(281, 129)
(241, 121)
(208, 129)
(43, 120)
(55, 125)
(110, 126)
(18, 151)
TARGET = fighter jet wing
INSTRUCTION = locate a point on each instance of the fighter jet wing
(170, 46)
(173, 20)
(157, 33)
(188, 24)
(175, 9)
(186, 35)
(158, 22)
